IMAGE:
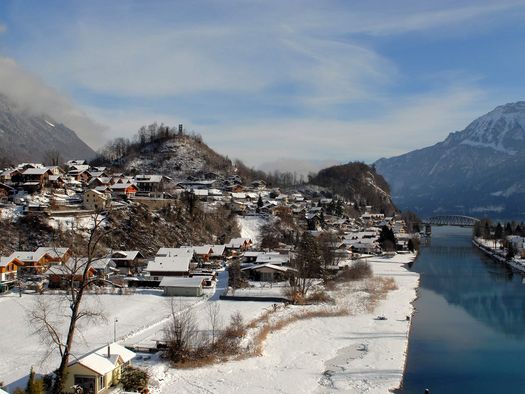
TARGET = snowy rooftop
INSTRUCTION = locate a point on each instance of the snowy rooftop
(196, 281)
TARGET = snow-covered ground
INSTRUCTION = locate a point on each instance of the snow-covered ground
(141, 320)
(355, 353)
(251, 227)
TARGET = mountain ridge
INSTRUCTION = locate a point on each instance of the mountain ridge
(27, 136)
(475, 171)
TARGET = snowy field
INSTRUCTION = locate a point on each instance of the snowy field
(355, 354)
(141, 321)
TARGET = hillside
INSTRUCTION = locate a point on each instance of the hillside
(359, 183)
(27, 137)
(475, 172)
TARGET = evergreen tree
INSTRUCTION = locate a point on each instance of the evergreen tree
(387, 239)
(498, 232)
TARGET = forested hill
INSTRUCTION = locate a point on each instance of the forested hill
(358, 183)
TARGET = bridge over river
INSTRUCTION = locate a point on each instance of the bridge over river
(451, 220)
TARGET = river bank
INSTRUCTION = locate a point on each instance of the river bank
(356, 353)
(498, 254)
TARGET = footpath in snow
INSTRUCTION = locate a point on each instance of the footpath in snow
(354, 354)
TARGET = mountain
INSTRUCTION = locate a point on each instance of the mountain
(359, 183)
(476, 171)
(25, 136)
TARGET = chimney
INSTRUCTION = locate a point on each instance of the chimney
(109, 351)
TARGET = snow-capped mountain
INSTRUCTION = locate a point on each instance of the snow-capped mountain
(25, 136)
(477, 171)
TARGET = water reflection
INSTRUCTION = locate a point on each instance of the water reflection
(468, 334)
(490, 292)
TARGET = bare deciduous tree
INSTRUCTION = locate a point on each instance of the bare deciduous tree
(76, 274)
(213, 310)
(182, 332)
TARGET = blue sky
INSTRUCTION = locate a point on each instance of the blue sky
(267, 80)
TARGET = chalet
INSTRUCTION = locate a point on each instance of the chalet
(71, 163)
(11, 176)
(239, 244)
(96, 200)
(35, 178)
(182, 287)
(104, 267)
(56, 181)
(128, 261)
(99, 181)
(123, 190)
(56, 255)
(34, 262)
(273, 258)
(200, 252)
(155, 185)
(9, 268)
(62, 275)
(176, 262)
(268, 272)
(98, 371)
(79, 175)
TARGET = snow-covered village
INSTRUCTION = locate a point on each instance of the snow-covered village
(222, 196)
(204, 316)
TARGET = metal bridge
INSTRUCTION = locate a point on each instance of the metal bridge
(451, 220)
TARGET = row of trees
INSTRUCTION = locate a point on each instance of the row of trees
(488, 230)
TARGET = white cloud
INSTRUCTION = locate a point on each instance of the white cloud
(31, 94)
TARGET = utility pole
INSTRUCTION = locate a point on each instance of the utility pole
(115, 330)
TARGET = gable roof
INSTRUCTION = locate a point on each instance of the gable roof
(99, 362)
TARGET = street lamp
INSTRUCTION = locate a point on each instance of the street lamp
(115, 330)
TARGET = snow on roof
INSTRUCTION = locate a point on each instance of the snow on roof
(52, 252)
(27, 257)
(177, 263)
(238, 242)
(125, 254)
(4, 260)
(204, 249)
(174, 251)
(168, 281)
(101, 264)
(150, 178)
(99, 362)
(268, 265)
(122, 186)
(218, 250)
(272, 257)
(35, 171)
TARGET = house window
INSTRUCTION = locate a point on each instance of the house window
(86, 382)
(100, 383)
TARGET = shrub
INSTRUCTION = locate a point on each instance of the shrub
(320, 297)
(134, 379)
(357, 271)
